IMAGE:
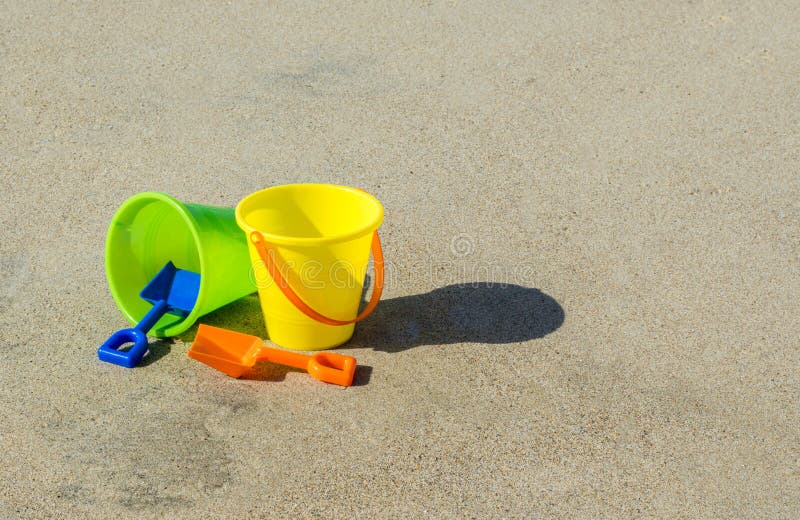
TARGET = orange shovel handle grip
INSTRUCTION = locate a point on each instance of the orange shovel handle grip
(269, 262)
(333, 368)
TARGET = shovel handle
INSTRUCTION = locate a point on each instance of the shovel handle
(110, 353)
(325, 366)
(266, 256)
(110, 350)
(283, 357)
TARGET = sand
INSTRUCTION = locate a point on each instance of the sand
(592, 228)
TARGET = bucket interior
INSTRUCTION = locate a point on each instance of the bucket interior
(148, 231)
(310, 211)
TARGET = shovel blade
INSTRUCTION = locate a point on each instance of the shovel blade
(178, 287)
(227, 351)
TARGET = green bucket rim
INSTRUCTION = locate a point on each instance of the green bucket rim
(186, 323)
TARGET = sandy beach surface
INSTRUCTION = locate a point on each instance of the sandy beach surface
(592, 229)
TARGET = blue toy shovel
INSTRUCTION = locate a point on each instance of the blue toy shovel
(172, 291)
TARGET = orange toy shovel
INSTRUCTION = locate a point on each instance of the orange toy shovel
(234, 352)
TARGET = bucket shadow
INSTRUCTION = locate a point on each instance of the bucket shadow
(490, 313)
(244, 315)
(484, 312)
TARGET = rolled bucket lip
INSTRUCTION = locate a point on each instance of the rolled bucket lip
(186, 323)
(308, 241)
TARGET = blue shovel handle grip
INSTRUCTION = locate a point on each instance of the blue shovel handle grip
(109, 351)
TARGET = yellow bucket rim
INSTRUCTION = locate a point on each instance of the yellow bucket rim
(309, 241)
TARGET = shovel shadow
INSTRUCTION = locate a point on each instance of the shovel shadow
(156, 349)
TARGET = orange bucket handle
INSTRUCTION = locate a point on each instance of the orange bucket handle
(266, 256)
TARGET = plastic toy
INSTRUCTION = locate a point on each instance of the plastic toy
(233, 353)
(314, 241)
(152, 228)
(172, 291)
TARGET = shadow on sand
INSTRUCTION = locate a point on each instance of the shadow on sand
(464, 313)
(482, 312)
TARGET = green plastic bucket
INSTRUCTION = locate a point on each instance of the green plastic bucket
(152, 228)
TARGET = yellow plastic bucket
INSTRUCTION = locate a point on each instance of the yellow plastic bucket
(309, 246)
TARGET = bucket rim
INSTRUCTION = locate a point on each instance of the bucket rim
(285, 240)
(187, 322)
